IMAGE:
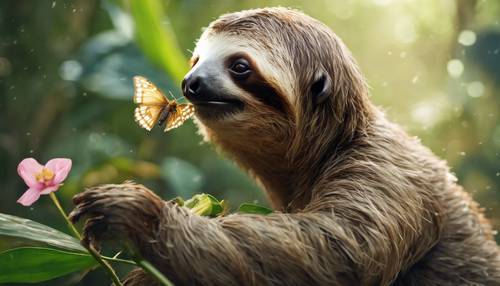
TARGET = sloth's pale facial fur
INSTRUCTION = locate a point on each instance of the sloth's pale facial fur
(241, 94)
(236, 79)
(218, 53)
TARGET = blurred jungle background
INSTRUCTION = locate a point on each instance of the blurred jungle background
(66, 72)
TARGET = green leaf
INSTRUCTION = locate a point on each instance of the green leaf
(25, 228)
(205, 205)
(179, 201)
(36, 264)
(157, 39)
(249, 208)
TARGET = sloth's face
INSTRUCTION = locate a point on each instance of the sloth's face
(233, 80)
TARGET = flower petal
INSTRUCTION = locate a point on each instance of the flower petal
(60, 167)
(49, 190)
(27, 169)
(29, 197)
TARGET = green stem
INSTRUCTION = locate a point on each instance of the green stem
(90, 248)
(149, 268)
(63, 213)
(113, 259)
(104, 265)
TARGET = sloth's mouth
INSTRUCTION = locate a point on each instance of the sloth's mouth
(215, 105)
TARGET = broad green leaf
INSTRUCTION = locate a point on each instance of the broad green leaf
(156, 39)
(25, 228)
(36, 264)
(205, 205)
(254, 209)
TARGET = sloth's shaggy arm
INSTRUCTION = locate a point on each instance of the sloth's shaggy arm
(308, 248)
(277, 249)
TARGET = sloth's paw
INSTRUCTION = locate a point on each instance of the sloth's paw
(125, 213)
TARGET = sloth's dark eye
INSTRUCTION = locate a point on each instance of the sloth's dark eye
(240, 68)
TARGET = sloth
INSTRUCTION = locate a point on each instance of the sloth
(357, 201)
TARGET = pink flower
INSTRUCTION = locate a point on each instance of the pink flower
(42, 180)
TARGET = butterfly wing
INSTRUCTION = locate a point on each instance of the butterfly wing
(146, 116)
(146, 93)
(182, 113)
(151, 102)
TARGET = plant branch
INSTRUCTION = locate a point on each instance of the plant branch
(89, 247)
(149, 268)
(113, 259)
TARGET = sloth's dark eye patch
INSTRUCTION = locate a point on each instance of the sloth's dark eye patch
(246, 74)
(240, 68)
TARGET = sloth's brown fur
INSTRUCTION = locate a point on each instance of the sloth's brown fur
(360, 202)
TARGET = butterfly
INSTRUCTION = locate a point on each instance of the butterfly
(153, 106)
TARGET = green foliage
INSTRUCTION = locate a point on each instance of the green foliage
(28, 229)
(205, 205)
(208, 205)
(157, 40)
(36, 264)
(250, 208)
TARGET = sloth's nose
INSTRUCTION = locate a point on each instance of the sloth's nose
(192, 85)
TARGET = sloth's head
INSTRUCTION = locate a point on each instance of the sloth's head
(275, 82)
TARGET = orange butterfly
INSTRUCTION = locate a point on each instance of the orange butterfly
(154, 106)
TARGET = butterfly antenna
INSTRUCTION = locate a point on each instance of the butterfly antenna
(172, 95)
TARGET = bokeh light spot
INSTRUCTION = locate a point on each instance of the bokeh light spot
(467, 38)
(455, 68)
(475, 89)
(70, 70)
